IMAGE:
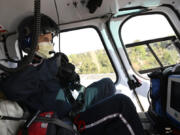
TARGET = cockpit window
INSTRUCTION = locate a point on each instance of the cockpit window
(86, 51)
(150, 42)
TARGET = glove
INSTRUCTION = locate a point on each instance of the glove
(61, 59)
(66, 72)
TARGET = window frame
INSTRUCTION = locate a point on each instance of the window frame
(148, 44)
(142, 14)
(103, 43)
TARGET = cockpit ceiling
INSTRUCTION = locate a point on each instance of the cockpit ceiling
(12, 11)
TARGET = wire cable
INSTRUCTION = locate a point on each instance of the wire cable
(57, 13)
(36, 30)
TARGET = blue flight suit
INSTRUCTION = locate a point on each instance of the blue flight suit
(104, 112)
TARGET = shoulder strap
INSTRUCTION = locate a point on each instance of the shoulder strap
(57, 122)
(11, 118)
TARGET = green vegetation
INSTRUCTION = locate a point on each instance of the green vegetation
(93, 62)
(97, 62)
(142, 59)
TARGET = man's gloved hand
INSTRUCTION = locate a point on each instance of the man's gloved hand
(70, 80)
(66, 73)
(61, 58)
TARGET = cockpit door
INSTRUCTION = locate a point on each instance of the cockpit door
(145, 39)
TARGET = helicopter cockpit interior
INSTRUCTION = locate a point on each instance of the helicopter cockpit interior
(135, 43)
